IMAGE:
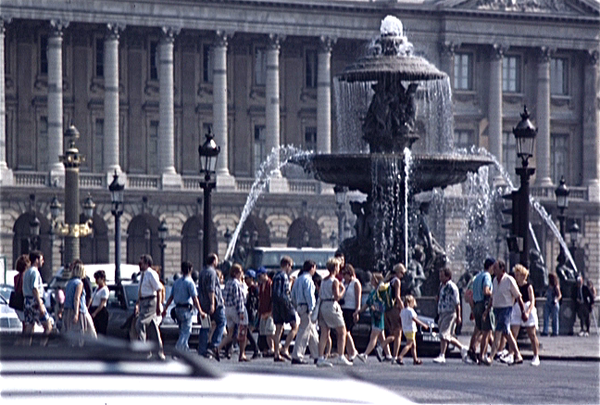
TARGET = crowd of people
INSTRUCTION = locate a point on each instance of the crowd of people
(258, 302)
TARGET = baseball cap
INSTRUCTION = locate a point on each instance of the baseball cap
(250, 273)
(260, 271)
(488, 262)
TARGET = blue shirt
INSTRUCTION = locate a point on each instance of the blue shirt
(303, 291)
(448, 300)
(281, 287)
(481, 280)
(209, 283)
(32, 280)
(70, 289)
(184, 291)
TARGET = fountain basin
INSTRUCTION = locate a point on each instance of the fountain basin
(428, 171)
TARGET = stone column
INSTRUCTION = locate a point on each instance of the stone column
(324, 95)
(591, 126)
(5, 172)
(495, 105)
(111, 99)
(55, 97)
(272, 97)
(166, 126)
(543, 119)
(220, 128)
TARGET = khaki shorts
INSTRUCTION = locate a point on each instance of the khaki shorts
(447, 323)
(330, 315)
(266, 326)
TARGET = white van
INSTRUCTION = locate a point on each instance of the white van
(127, 273)
(269, 257)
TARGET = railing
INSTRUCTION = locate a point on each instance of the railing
(304, 186)
(243, 185)
(576, 193)
(92, 180)
(143, 181)
(30, 179)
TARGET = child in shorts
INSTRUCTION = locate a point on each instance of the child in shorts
(409, 319)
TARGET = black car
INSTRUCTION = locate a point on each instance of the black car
(121, 304)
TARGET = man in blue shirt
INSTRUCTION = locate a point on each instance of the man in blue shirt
(211, 301)
(186, 298)
(482, 291)
(303, 297)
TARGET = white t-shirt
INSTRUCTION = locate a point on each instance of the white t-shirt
(406, 316)
(32, 280)
(99, 295)
(150, 283)
(504, 293)
(350, 295)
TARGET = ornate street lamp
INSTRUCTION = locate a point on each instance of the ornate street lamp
(34, 232)
(116, 197)
(333, 239)
(562, 203)
(55, 209)
(209, 154)
(525, 134)
(340, 200)
(163, 232)
(72, 230)
(574, 231)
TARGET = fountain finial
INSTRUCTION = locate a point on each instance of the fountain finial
(391, 26)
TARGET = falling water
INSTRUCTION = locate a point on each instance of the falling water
(278, 158)
(407, 168)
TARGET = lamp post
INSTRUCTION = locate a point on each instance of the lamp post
(34, 232)
(340, 200)
(163, 231)
(209, 154)
(72, 230)
(562, 203)
(525, 134)
(116, 197)
(55, 208)
(333, 239)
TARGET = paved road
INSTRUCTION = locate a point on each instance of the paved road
(554, 382)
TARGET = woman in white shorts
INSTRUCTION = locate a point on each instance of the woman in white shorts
(330, 313)
(516, 321)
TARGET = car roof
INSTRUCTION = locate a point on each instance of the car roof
(126, 270)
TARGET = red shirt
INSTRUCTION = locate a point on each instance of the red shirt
(265, 293)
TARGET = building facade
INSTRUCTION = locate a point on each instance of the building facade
(144, 81)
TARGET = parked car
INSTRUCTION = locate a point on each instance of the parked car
(105, 371)
(121, 304)
(9, 321)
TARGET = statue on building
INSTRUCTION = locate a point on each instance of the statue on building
(433, 250)
(415, 276)
(566, 275)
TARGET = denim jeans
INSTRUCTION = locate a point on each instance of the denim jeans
(219, 317)
(551, 309)
(184, 317)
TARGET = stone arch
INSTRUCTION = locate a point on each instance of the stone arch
(22, 242)
(142, 238)
(192, 242)
(256, 224)
(300, 229)
(94, 248)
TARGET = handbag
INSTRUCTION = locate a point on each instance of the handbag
(314, 316)
(16, 300)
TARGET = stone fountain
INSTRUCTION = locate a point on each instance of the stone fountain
(392, 74)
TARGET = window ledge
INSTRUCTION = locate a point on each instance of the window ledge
(513, 98)
(560, 100)
(464, 95)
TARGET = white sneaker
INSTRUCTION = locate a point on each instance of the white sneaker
(581, 333)
(441, 359)
(362, 357)
(508, 359)
(463, 353)
(352, 358)
(323, 363)
(536, 361)
(503, 353)
(343, 361)
(587, 334)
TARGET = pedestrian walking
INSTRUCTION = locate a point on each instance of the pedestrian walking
(528, 319)
(266, 326)
(283, 309)
(376, 305)
(584, 300)
(252, 309)
(449, 313)
(409, 319)
(393, 308)
(76, 318)
(185, 296)
(235, 311)
(481, 293)
(351, 304)
(211, 301)
(34, 310)
(505, 292)
(98, 310)
(21, 266)
(148, 306)
(303, 297)
(552, 305)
